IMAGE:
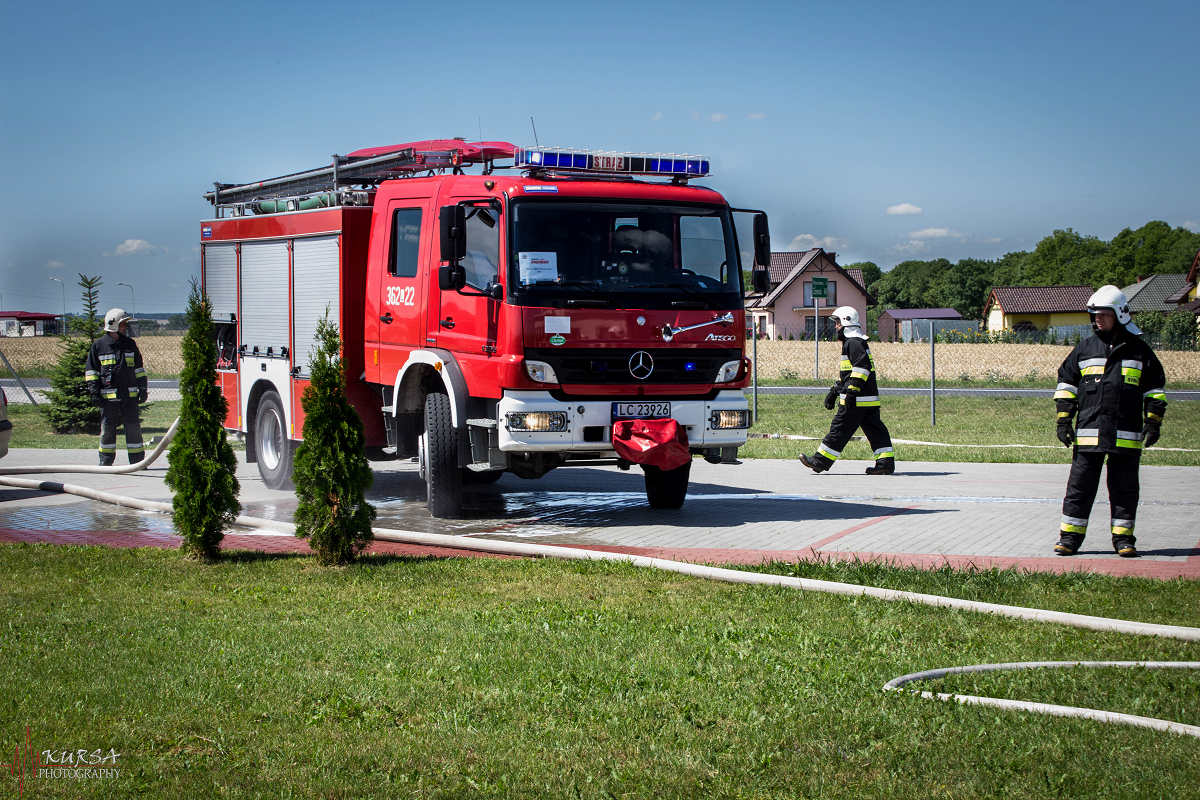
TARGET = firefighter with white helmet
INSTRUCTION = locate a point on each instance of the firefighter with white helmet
(1112, 385)
(117, 381)
(856, 395)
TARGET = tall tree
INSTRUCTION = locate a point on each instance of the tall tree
(1155, 248)
(1067, 258)
(331, 471)
(71, 409)
(202, 471)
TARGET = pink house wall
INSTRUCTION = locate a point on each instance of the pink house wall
(788, 321)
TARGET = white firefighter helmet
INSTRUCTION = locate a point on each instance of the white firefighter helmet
(114, 318)
(1114, 299)
(849, 319)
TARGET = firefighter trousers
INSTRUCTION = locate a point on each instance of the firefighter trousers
(1123, 490)
(112, 415)
(845, 423)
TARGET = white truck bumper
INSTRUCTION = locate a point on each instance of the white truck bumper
(693, 415)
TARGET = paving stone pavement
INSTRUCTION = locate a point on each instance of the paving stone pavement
(927, 514)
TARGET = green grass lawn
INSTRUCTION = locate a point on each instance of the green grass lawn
(960, 420)
(30, 428)
(270, 677)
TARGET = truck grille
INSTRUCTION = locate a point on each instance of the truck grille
(601, 366)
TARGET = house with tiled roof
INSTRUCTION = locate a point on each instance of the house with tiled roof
(1152, 293)
(1030, 308)
(789, 309)
(1187, 294)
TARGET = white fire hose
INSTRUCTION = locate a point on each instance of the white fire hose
(280, 528)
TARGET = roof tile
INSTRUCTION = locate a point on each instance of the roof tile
(1041, 299)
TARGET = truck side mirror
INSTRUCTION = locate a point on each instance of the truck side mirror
(760, 281)
(453, 221)
(451, 277)
(762, 241)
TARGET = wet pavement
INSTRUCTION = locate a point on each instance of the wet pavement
(928, 513)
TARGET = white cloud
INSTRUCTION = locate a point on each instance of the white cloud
(134, 247)
(904, 210)
(995, 240)
(806, 241)
(54, 264)
(657, 116)
(937, 233)
(11, 265)
(195, 256)
(756, 115)
(1190, 225)
(719, 117)
(913, 247)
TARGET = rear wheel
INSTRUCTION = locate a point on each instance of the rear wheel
(271, 444)
(443, 478)
(666, 488)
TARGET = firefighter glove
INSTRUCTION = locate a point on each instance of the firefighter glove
(831, 398)
(142, 395)
(851, 401)
(1065, 434)
(1150, 433)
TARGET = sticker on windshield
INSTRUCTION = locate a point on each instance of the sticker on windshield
(558, 324)
(540, 189)
(538, 267)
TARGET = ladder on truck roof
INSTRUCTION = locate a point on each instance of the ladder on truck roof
(344, 173)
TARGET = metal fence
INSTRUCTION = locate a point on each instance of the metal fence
(32, 359)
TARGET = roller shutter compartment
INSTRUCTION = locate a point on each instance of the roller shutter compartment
(314, 287)
(264, 319)
(220, 279)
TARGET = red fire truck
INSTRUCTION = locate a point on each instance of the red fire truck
(503, 320)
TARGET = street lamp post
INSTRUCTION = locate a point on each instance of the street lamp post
(64, 288)
(132, 299)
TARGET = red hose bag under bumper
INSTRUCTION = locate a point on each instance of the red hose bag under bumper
(661, 443)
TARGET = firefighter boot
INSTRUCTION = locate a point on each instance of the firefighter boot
(1068, 544)
(135, 458)
(1124, 546)
(815, 462)
(884, 466)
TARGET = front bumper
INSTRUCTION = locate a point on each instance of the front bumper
(693, 415)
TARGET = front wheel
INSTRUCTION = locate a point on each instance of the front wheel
(271, 443)
(666, 488)
(443, 478)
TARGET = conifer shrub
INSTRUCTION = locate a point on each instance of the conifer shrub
(331, 471)
(202, 471)
(70, 409)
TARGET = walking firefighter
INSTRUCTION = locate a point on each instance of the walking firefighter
(1112, 385)
(856, 395)
(117, 380)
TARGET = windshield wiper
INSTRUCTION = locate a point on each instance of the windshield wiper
(608, 298)
(711, 303)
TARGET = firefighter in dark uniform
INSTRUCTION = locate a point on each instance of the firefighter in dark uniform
(1114, 383)
(117, 380)
(857, 397)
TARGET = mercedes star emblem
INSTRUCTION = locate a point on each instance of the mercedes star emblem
(641, 364)
(641, 320)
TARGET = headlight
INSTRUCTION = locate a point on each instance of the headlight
(540, 372)
(729, 419)
(728, 371)
(536, 420)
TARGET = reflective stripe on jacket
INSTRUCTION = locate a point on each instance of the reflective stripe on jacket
(114, 369)
(858, 372)
(1112, 389)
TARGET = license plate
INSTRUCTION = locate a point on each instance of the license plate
(641, 410)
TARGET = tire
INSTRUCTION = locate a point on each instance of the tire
(667, 488)
(443, 478)
(271, 444)
(470, 476)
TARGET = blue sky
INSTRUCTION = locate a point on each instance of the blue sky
(1000, 122)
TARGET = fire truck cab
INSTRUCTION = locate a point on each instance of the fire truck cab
(504, 321)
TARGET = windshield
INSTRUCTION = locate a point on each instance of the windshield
(602, 253)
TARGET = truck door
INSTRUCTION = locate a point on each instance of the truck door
(467, 323)
(401, 301)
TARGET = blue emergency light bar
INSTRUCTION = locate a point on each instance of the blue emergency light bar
(667, 164)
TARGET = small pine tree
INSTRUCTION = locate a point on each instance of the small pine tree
(202, 464)
(71, 409)
(331, 471)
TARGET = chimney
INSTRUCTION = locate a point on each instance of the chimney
(832, 257)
